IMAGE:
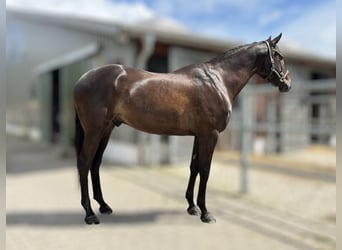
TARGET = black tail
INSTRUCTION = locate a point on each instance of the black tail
(79, 135)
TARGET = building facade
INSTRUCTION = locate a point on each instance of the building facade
(47, 53)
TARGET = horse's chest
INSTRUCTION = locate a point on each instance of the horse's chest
(218, 112)
(222, 120)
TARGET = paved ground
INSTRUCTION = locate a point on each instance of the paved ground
(283, 210)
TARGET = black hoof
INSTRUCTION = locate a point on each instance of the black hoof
(208, 218)
(92, 219)
(105, 209)
(194, 211)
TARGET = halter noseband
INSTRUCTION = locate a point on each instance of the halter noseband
(280, 75)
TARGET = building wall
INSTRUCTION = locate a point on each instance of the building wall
(296, 110)
(32, 44)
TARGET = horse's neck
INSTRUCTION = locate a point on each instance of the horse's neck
(236, 70)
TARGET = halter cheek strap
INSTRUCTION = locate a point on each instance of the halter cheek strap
(280, 75)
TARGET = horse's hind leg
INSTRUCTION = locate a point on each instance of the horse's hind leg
(189, 195)
(91, 141)
(95, 175)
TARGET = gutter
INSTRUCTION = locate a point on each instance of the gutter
(71, 57)
(148, 44)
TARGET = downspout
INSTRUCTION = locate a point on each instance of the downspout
(148, 43)
(147, 155)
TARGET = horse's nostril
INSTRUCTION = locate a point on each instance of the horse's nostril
(283, 87)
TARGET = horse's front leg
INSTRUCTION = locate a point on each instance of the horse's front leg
(189, 195)
(207, 145)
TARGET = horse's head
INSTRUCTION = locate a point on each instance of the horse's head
(272, 68)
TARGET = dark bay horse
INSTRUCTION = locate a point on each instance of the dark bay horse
(194, 100)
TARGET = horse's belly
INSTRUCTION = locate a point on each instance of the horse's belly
(163, 122)
(166, 112)
(157, 125)
(162, 130)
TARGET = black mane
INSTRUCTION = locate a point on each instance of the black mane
(233, 51)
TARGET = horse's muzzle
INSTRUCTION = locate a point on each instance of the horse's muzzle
(285, 86)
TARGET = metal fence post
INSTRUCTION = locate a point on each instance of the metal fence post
(246, 140)
(155, 150)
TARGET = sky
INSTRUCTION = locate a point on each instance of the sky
(307, 25)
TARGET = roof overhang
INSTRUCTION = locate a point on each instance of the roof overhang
(170, 37)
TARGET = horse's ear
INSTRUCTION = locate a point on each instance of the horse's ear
(269, 39)
(276, 40)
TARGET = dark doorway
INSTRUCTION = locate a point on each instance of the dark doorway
(157, 63)
(55, 105)
(316, 107)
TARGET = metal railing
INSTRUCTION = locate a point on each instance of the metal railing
(304, 96)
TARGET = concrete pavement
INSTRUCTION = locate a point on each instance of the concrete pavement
(281, 212)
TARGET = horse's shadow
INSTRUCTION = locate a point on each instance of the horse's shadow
(71, 218)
